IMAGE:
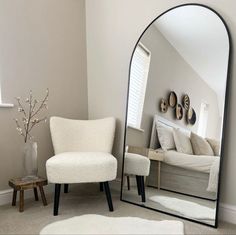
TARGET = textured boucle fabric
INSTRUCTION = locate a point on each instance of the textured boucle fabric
(82, 135)
(81, 167)
(136, 164)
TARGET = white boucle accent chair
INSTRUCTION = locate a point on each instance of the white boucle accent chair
(138, 165)
(82, 154)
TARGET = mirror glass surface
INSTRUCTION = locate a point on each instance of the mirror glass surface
(175, 114)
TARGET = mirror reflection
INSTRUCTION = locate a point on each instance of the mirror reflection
(175, 114)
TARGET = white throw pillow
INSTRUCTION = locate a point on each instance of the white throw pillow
(200, 145)
(215, 145)
(165, 136)
(182, 142)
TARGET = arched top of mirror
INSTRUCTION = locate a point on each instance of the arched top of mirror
(200, 35)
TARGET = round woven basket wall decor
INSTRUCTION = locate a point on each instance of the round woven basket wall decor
(191, 116)
(186, 102)
(179, 112)
(163, 105)
(172, 100)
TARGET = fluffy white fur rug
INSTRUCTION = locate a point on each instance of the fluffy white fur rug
(186, 208)
(97, 224)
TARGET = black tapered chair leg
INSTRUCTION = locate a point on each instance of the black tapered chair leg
(66, 188)
(138, 184)
(56, 198)
(142, 189)
(108, 195)
(128, 182)
(101, 186)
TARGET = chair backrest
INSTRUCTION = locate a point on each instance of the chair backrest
(70, 135)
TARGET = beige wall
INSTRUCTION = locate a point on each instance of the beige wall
(42, 44)
(113, 27)
(169, 71)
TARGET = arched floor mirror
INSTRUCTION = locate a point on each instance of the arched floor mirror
(176, 114)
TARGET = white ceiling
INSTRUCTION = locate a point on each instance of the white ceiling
(200, 37)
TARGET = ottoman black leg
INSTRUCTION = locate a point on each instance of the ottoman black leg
(128, 182)
(142, 189)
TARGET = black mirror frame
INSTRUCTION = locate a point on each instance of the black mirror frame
(222, 151)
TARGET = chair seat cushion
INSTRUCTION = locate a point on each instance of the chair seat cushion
(136, 164)
(81, 167)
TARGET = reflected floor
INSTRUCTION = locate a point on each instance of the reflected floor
(132, 196)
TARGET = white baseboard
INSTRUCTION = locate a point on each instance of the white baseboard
(5, 196)
(227, 212)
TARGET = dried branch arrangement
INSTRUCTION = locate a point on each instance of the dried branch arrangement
(30, 112)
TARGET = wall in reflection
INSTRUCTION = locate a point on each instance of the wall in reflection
(169, 71)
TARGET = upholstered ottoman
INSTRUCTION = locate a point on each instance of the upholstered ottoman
(138, 165)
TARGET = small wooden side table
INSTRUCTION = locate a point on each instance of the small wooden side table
(21, 184)
(157, 155)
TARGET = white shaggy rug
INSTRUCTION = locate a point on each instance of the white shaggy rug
(186, 208)
(97, 224)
